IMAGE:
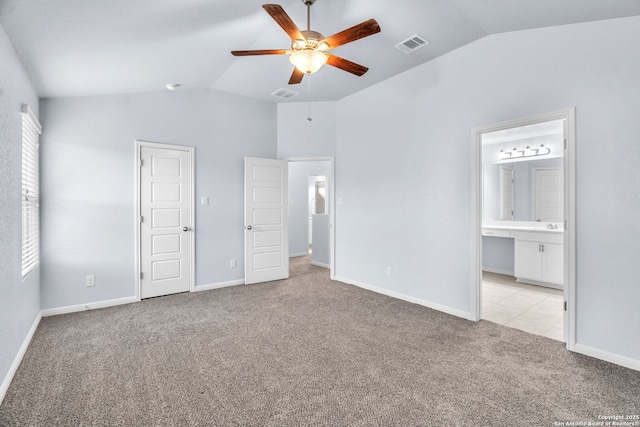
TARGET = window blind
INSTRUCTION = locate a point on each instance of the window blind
(31, 131)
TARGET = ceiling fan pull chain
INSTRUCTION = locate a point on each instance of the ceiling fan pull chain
(309, 97)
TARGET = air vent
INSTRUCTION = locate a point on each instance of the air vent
(285, 94)
(412, 43)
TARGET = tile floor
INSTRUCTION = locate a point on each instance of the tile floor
(534, 309)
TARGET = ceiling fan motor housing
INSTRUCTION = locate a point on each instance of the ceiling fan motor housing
(312, 40)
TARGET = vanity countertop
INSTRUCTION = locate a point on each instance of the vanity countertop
(505, 228)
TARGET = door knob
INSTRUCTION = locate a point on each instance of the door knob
(249, 227)
(185, 229)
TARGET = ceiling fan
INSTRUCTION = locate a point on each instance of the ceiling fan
(308, 48)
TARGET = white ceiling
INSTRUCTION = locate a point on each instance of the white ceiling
(94, 47)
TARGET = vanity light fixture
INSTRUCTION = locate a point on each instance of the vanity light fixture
(172, 86)
(527, 152)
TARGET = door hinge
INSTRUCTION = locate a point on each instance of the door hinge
(141, 275)
(565, 306)
(141, 219)
(140, 163)
(565, 143)
(565, 224)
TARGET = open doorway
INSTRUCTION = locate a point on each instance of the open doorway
(525, 244)
(310, 220)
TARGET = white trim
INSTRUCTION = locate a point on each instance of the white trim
(568, 115)
(321, 264)
(627, 362)
(219, 285)
(332, 207)
(414, 300)
(298, 254)
(88, 306)
(497, 271)
(137, 157)
(4, 387)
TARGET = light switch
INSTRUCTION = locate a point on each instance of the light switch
(205, 200)
(340, 201)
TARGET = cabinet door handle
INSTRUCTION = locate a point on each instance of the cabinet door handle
(541, 248)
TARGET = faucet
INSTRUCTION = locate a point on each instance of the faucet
(552, 226)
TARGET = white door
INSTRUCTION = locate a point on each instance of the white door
(548, 190)
(506, 194)
(265, 219)
(165, 228)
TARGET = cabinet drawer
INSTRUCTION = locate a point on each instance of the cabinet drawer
(496, 233)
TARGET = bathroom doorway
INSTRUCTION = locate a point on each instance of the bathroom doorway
(311, 210)
(525, 266)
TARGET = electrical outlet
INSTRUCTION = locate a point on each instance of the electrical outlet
(205, 201)
(388, 271)
(90, 280)
(233, 263)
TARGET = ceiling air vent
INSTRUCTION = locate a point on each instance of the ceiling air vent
(412, 43)
(285, 94)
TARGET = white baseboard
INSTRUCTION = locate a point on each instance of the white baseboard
(320, 264)
(443, 308)
(88, 306)
(498, 271)
(219, 285)
(298, 254)
(4, 387)
(627, 362)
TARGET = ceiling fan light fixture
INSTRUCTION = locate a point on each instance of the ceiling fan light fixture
(308, 60)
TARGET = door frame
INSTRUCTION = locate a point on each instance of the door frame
(332, 204)
(569, 184)
(136, 219)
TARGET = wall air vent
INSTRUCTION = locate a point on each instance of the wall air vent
(412, 43)
(285, 94)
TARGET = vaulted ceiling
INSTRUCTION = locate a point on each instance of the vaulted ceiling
(94, 47)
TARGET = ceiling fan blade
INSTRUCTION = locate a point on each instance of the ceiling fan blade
(296, 77)
(259, 52)
(356, 32)
(346, 65)
(280, 16)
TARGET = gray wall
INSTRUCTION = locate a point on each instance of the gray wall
(321, 240)
(402, 147)
(299, 137)
(88, 184)
(19, 298)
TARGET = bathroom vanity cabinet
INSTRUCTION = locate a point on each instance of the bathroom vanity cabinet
(539, 257)
(538, 251)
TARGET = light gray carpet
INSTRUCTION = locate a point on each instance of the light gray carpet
(304, 351)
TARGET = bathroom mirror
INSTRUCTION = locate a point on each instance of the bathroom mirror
(522, 173)
(318, 195)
